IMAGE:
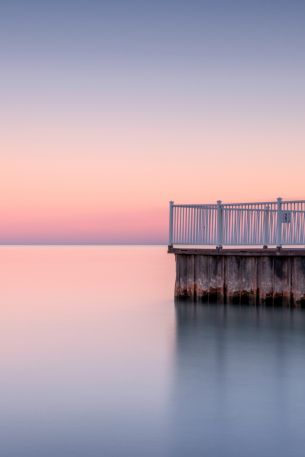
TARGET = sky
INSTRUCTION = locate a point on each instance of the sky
(111, 109)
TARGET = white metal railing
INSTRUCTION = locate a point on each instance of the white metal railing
(274, 223)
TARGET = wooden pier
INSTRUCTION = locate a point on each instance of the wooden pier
(253, 276)
(258, 255)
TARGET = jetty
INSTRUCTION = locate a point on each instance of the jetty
(239, 253)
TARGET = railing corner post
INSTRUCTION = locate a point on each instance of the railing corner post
(219, 224)
(266, 227)
(279, 223)
(171, 220)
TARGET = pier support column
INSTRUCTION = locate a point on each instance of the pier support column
(263, 277)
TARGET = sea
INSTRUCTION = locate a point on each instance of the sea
(97, 360)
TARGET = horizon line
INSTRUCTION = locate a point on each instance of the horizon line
(82, 244)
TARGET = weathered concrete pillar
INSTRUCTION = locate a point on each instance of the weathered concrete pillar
(190, 276)
(216, 279)
(202, 277)
(297, 281)
(241, 279)
(232, 279)
(265, 280)
(282, 281)
(248, 280)
(181, 269)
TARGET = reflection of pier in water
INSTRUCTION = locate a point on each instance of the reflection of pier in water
(239, 377)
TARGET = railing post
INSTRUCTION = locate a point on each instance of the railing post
(171, 220)
(219, 224)
(266, 226)
(279, 223)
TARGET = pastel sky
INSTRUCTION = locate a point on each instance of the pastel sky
(111, 109)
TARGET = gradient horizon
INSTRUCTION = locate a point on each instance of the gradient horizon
(111, 109)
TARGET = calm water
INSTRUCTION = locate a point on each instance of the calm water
(96, 360)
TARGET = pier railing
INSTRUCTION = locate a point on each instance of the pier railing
(278, 223)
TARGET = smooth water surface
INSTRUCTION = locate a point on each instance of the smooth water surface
(96, 360)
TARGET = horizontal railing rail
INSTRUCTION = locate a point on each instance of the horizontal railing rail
(274, 223)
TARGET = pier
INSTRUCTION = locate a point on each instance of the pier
(243, 253)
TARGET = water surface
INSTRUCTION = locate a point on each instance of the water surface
(96, 360)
